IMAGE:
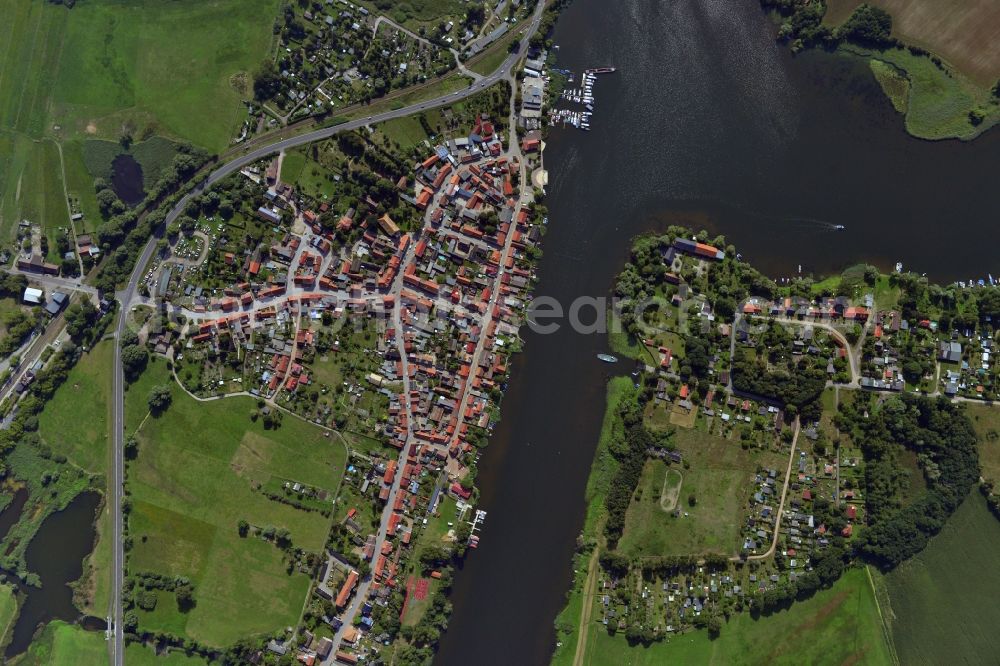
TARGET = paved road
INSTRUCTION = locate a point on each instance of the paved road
(116, 645)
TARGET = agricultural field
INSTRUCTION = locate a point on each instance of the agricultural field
(171, 68)
(179, 69)
(41, 199)
(80, 186)
(75, 422)
(720, 478)
(963, 32)
(197, 474)
(840, 625)
(943, 601)
(947, 94)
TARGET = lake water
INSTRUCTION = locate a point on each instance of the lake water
(711, 124)
(56, 555)
(126, 179)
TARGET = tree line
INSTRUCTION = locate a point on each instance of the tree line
(941, 435)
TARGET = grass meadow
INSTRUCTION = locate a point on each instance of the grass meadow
(720, 478)
(840, 625)
(62, 644)
(8, 610)
(986, 421)
(194, 479)
(75, 422)
(172, 69)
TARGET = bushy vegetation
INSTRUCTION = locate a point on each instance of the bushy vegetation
(802, 25)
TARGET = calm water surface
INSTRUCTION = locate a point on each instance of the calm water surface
(56, 554)
(708, 123)
(126, 179)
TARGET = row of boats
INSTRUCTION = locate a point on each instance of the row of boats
(583, 95)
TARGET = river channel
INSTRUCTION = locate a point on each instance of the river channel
(708, 123)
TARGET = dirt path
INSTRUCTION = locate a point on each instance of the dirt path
(668, 499)
(588, 605)
(781, 504)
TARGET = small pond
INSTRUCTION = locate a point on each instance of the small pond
(56, 555)
(126, 179)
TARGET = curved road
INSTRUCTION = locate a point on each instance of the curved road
(125, 297)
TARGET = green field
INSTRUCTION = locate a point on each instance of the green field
(75, 422)
(8, 610)
(943, 601)
(986, 421)
(141, 655)
(42, 200)
(165, 66)
(497, 53)
(292, 165)
(80, 185)
(194, 480)
(836, 626)
(179, 69)
(720, 478)
(62, 644)
(407, 131)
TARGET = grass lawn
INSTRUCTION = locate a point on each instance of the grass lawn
(840, 625)
(292, 165)
(62, 644)
(75, 422)
(720, 478)
(192, 482)
(943, 600)
(406, 131)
